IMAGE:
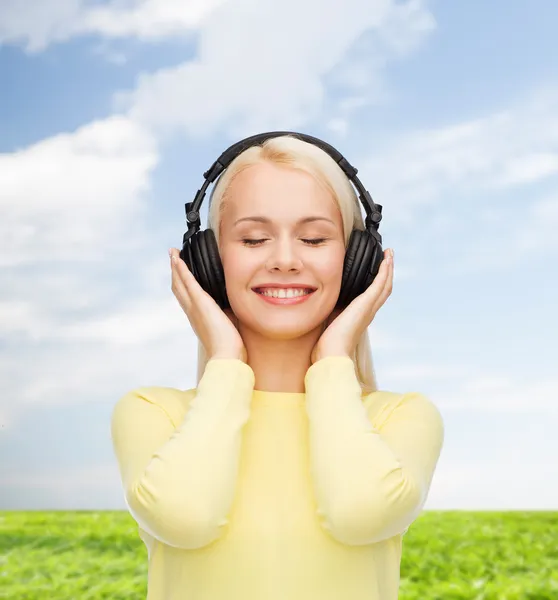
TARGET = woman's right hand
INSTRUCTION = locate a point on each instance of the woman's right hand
(213, 326)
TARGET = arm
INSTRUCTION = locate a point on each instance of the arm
(179, 481)
(370, 484)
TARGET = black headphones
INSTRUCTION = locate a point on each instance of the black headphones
(363, 255)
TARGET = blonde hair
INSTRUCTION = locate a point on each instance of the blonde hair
(292, 152)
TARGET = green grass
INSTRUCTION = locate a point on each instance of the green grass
(454, 555)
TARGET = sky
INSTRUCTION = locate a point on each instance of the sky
(111, 111)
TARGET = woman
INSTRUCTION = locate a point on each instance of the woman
(285, 474)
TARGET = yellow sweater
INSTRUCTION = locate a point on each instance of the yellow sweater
(242, 494)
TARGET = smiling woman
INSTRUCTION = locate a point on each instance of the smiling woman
(285, 474)
(287, 195)
(298, 208)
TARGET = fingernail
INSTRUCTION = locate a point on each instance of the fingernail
(170, 251)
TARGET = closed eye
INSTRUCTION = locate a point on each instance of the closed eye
(316, 241)
(312, 242)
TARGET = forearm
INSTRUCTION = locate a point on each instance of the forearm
(186, 490)
(361, 487)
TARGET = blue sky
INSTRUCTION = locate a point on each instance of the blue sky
(110, 113)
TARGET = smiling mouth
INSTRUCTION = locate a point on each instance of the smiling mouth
(281, 293)
(284, 300)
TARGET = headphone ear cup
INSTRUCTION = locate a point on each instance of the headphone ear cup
(208, 268)
(363, 258)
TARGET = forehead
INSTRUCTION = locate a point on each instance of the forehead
(280, 193)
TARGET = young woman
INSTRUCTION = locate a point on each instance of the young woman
(285, 474)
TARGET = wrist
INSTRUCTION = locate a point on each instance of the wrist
(330, 353)
(229, 354)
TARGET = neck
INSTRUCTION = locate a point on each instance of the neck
(280, 365)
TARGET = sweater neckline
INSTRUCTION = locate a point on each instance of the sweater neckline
(278, 398)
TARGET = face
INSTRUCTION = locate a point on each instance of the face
(281, 248)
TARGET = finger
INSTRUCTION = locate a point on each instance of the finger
(193, 288)
(377, 292)
(375, 288)
(181, 268)
(387, 286)
(366, 302)
(179, 289)
(177, 283)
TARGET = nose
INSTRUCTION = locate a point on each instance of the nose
(283, 255)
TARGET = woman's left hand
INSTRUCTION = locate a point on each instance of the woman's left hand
(347, 326)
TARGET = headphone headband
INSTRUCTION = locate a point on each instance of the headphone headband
(373, 210)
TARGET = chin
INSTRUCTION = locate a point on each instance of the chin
(283, 332)
(280, 322)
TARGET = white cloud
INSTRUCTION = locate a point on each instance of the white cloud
(68, 205)
(338, 126)
(528, 168)
(81, 371)
(140, 323)
(480, 160)
(472, 390)
(503, 394)
(513, 240)
(518, 145)
(36, 24)
(537, 233)
(147, 19)
(271, 73)
(66, 197)
(66, 368)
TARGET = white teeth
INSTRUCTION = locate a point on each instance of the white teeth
(284, 293)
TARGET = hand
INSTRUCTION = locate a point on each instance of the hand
(214, 327)
(347, 326)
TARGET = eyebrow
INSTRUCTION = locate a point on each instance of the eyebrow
(260, 219)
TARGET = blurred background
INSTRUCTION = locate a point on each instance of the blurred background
(110, 111)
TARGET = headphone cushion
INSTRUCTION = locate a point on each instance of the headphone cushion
(209, 268)
(363, 257)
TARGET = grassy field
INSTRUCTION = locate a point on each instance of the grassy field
(446, 556)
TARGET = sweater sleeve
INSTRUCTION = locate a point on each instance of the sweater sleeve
(179, 481)
(370, 484)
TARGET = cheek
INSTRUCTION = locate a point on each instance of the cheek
(238, 268)
(329, 266)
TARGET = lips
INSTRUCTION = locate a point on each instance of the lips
(285, 301)
(260, 288)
